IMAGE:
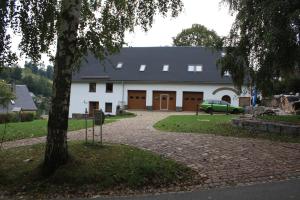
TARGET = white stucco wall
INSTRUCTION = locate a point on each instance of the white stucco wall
(80, 95)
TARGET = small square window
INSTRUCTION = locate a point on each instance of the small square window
(191, 68)
(92, 87)
(142, 68)
(109, 87)
(119, 65)
(166, 68)
(108, 107)
(226, 73)
(199, 68)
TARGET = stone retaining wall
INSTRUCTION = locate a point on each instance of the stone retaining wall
(267, 126)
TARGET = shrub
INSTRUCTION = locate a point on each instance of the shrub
(27, 117)
(8, 117)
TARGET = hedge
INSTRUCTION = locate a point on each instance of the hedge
(16, 117)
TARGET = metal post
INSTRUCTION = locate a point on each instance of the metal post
(101, 134)
(93, 128)
(85, 116)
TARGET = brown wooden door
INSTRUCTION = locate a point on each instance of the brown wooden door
(93, 105)
(164, 100)
(191, 100)
(136, 99)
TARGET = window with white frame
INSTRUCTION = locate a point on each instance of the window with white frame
(226, 73)
(119, 65)
(199, 68)
(142, 68)
(166, 68)
(195, 68)
(191, 68)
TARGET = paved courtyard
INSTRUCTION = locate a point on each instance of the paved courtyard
(220, 160)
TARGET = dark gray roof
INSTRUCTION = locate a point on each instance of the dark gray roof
(178, 59)
(23, 100)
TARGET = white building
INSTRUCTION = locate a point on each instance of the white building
(152, 78)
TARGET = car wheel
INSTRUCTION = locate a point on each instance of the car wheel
(209, 110)
(235, 111)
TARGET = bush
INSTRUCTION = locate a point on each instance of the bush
(10, 117)
(27, 117)
(16, 117)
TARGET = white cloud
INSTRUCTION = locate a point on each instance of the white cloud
(209, 13)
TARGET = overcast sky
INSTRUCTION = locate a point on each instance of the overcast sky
(206, 12)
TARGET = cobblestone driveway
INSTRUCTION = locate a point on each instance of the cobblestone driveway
(221, 160)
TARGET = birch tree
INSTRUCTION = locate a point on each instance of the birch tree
(75, 27)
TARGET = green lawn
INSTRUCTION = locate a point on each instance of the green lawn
(214, 124)
(92, 169)
(38, 128)
(283, 118)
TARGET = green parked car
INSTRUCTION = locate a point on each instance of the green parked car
(210, 106)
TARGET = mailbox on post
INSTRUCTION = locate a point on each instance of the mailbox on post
(99, 118)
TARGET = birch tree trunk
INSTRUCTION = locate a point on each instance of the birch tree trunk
(56, 152)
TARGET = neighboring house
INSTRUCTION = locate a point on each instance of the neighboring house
(152, 78)
(23, 101)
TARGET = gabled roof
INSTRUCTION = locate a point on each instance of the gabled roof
(23, 100)
(178, 59)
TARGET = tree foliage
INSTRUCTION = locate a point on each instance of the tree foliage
(101, 27)
(75, 27)
(263, 44)
(197, 35)
(6, 94)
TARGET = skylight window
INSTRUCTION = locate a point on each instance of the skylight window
(142, 68)
(119, 65)
(195, 68)
(226, 73)
(199, 68)
(166, 68)
(191, 68)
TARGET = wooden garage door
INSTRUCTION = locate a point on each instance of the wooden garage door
(191, 100)
(136, 99)
(164, 100)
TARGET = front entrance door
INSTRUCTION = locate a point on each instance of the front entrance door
(93, 105)
(164, 102)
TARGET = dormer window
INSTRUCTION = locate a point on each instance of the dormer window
(165, 68)
(119, 65)
(226, 73)
(191, 68)
(142, 68)
(199, 68)
(195, 68)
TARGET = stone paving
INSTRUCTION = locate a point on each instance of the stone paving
(222, 161)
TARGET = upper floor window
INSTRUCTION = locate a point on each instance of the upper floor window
(226, 73)
(195, 68)
(92, 87)
(109, 87)
(191, 68)
(199, 68)
(165, 68)
(142, 68)
(119, 65)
